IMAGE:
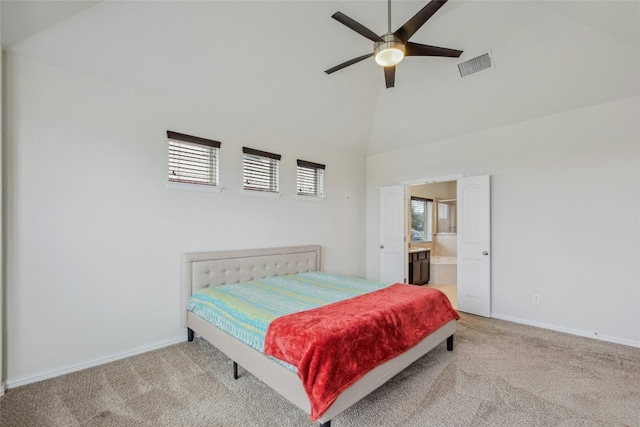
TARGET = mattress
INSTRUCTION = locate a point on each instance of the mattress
(245, 310)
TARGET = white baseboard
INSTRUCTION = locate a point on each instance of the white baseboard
(567, 330)
(52, 373)
(43, 375)
(2, 389)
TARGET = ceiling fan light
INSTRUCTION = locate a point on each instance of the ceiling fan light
(389, 57)
(390, 51)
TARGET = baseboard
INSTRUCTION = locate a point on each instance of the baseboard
(2, 389)
(567, 330)
(47, 374)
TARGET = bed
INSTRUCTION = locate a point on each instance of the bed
(211, 269)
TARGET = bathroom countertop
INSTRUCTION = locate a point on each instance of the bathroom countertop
(413, 250)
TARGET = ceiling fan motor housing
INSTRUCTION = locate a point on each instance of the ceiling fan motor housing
(389, 51)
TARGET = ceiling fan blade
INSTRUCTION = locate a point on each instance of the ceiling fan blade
(349, 62)
(416, 49)
(405, 32)
(390, 76)
(356, 26)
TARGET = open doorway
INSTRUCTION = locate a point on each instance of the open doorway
(432, 236)
(473, 239)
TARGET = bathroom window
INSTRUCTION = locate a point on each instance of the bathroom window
(447, 212)
(421, 220)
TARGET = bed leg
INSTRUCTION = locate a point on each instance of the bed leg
(450, 343)
(327, 424)
(235, 371)
(189, 334)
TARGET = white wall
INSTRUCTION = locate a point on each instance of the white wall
(95, 237)
(565, 209)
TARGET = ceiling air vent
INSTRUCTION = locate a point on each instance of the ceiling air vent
(475, 65)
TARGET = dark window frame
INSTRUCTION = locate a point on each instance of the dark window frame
(427, 220)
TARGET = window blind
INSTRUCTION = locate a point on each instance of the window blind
(310, 178)
(261, 170)
(193, 160)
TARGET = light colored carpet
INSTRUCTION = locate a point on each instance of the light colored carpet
(499, 374)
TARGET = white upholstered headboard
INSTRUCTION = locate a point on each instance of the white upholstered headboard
(204, 269)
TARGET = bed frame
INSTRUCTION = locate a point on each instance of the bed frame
(203, 269)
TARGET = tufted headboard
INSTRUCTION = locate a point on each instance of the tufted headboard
(204, 269)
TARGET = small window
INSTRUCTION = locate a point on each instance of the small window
(421, 220)
(310, 179)
(193, 160)
(261, 170)
(446, 219)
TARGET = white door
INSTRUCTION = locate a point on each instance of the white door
(392, 246)
(474, 245)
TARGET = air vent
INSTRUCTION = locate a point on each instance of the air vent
(475, 65)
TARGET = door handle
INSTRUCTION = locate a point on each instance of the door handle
(381, 246)
(485, 253)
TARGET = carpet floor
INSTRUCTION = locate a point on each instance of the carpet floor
(499, 374)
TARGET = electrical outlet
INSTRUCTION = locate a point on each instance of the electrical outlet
(536, 299)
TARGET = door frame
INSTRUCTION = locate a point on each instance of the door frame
(423, 181)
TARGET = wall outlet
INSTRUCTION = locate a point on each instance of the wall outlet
(536, 299)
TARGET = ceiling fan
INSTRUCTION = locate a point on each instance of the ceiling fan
(390, 48)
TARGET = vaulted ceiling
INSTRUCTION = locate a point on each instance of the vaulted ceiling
(265, 60)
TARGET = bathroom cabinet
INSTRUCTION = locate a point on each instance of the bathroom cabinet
(419, 267)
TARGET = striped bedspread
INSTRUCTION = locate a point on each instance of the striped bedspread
(245, 310)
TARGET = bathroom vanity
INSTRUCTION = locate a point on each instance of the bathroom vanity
(419, 266)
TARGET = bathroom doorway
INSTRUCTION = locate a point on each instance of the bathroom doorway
(432, 226)
(473, 242)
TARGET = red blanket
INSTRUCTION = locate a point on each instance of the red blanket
(335, 345)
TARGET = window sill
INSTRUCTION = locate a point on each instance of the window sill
(193, 187)
(267, 194)
(309, 198)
